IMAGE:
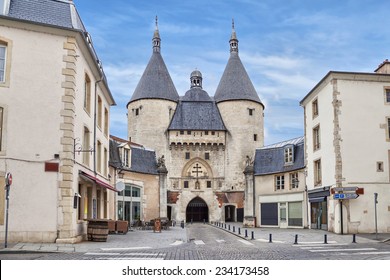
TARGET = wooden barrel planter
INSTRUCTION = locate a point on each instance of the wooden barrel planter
(97, 230)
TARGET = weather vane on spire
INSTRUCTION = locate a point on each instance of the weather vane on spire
(156, 22)
(232, 23)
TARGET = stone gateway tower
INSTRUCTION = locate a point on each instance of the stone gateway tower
(206, 141)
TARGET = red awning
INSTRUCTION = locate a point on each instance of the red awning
(97, 181)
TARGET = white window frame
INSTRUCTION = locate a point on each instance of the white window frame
(279, 182)
(316, 138)
(294, 181)
(288, 155)
(4, 69)
(126, 157)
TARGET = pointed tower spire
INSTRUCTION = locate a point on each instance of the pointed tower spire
(233, 40)
(235, 83)
(156, 38)
(155, 83)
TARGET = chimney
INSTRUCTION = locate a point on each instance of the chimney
(383, 68)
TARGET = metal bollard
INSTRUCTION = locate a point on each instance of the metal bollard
(182, 224)
(204, 221)
(234, 229)
(354, 238)
(270, 238)
(325, 239)
(239, 231)
(225, 226)
(296, 239)
(246, 233)
(191, 221)
(229, 227)
(253, 235)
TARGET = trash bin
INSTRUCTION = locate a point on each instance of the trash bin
(97, 230)
(157, 225)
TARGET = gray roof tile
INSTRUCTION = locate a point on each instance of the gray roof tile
(235, 83)
(51, 12)
(155, 82)
(270, 160)
(198, 115)
(142, 160)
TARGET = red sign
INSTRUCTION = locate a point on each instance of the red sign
(8, 179)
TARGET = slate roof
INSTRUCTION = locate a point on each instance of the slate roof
(196, 94)
(197, 115)
(235, 83)
(270, 159)
(142, 160)
(51, 12)
(155, 83)
(58, 14)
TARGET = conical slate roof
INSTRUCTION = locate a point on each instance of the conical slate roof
(155, 81)
(235, 83)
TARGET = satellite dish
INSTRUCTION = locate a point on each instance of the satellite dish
(120, 186)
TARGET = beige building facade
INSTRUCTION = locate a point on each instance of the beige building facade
(134, 168)
(347, 151)
(54, 108)
(280, 185)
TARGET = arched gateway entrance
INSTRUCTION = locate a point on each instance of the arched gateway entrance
(197, 211)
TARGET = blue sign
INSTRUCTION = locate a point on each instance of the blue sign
(339, 196)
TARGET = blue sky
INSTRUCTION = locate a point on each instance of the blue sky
(287, 47)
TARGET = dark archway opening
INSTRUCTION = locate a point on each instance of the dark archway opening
(197, 211)
(230, 213)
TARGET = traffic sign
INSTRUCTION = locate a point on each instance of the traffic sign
(8, 179)
(345, 196)
(345, 189)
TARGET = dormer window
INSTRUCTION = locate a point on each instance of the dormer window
(125, 159)
(4, 7)
(289, 155)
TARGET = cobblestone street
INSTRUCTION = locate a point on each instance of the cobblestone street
(211, 242)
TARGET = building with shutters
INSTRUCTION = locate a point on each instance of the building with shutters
(54, 123)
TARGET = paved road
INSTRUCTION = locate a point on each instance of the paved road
(205, 242)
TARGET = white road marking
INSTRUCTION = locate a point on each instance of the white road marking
(177, 242)
(267, 240)
(316, 242)
(220, 240)
(123, 249)
(130, 259)
(343, 249)
(122, 254)
(245, 242)
(198, 242)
